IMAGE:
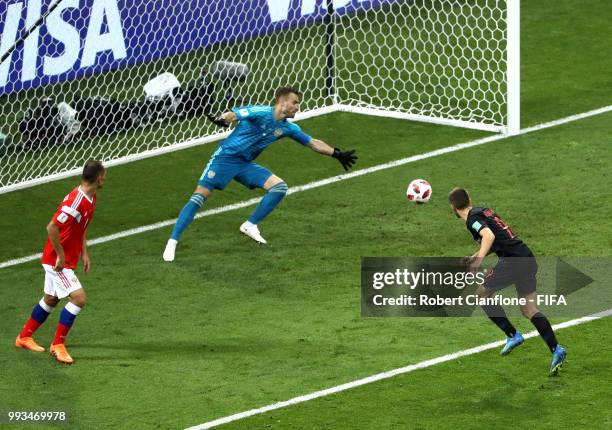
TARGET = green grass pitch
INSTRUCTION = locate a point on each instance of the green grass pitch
(231, 326)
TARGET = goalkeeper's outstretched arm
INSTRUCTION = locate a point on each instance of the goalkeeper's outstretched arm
(320, 147)
(346, 158)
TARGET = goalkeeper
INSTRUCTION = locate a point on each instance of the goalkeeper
(258, 127)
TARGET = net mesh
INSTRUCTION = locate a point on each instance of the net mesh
(107, 79)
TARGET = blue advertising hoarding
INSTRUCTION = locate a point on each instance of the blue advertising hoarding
(85, 37)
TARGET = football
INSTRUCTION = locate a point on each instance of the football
(419, 191)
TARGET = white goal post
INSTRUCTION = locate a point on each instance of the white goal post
(121, 81)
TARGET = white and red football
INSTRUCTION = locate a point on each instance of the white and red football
(419, 191)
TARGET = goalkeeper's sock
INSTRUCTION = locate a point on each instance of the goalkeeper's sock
(187, 214)
(67, 317)
(497, 314)
(39, 315)
(272, 198)
(543, 326)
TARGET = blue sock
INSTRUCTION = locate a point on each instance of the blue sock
(187, 213)
(69, 314)
(40, 313)
(67, 317)
(272, 198)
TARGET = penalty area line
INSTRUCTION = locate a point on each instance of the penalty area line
(387, 374)
(327, 181)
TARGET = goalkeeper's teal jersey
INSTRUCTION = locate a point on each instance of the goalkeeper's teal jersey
(256, 130)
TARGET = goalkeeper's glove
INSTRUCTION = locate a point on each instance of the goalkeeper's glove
(346, 158)
(218, 120)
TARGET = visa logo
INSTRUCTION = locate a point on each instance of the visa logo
(99, 38)
(279, 9)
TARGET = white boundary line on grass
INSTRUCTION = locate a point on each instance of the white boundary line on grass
(327, 181)
(387, 375)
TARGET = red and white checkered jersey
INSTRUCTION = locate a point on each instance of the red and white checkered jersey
(72, 217)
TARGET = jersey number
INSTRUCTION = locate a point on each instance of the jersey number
(503, 226)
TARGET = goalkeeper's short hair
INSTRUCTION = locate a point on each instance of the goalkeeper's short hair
(285, 91)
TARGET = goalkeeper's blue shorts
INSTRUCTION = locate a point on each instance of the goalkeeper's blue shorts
(221, 169)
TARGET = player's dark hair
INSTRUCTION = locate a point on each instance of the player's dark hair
(285, 91)
(459, 198)
(92, 171)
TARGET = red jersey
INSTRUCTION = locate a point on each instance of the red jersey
(72, 217)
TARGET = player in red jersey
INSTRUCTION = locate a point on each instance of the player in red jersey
(66, 243)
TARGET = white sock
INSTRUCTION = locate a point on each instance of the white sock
(45, 306)
(72, 308)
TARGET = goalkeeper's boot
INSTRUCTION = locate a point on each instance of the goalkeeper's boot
(28, 343)
(558, 358)
(512, 342)
(170, 250)
(249, 229)
(60, 353)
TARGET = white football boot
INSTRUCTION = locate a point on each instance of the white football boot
(249, 229)
(170, 250)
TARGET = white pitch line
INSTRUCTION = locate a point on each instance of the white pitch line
(327, 181)
(387, 375)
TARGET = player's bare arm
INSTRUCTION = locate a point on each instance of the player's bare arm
(486, 242)
(85, 255)
(474, 255)
(346, 158)
(229, 116)
(54, 236)
(321, 147)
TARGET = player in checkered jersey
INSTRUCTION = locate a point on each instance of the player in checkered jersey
(66, 243)
(516, 266)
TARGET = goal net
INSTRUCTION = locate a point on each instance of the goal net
(120, 81)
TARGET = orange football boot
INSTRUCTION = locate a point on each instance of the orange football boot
(60, 353)
(28, 343)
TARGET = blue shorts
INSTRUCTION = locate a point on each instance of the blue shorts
(221, 169)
